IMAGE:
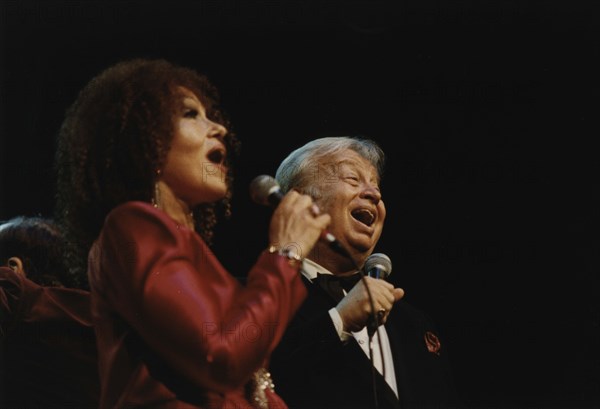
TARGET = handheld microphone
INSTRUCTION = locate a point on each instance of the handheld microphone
(378, 265)
(265, 190)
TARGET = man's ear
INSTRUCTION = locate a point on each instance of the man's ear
(16, 265)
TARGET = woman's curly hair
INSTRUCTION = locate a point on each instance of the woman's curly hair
(113, 142)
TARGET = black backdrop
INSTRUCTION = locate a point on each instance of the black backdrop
(488, 113)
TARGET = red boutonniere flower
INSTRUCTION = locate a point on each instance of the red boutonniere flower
(432, 342)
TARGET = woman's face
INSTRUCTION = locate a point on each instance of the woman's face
(195, 165)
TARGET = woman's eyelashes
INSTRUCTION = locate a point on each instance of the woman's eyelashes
(190, 113)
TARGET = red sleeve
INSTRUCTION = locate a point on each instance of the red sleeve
(165, 282)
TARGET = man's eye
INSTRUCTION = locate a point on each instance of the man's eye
(190, 113)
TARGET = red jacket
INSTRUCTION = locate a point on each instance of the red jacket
(174, 328)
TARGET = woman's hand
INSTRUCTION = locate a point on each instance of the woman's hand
(296, 224)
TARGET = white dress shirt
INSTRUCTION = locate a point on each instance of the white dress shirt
(310, 270)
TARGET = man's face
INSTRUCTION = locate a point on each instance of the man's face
(350, 193)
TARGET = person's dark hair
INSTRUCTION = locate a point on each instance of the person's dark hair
(40, 245)
(114, 141)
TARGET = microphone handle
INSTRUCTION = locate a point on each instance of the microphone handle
(275, 196)
(335, 245)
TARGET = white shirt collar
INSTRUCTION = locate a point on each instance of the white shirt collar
(310, 269)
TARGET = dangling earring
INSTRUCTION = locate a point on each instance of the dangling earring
(191, 219)
(156, 197)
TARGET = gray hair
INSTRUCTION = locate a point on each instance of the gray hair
(295, 170)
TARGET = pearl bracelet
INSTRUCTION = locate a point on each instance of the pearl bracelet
(288, 252)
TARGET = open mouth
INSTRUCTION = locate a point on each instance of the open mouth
(217, 156)
(365, 216)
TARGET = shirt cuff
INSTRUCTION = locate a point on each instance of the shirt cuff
(339, 325)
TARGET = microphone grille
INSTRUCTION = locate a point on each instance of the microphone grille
(261, 187)
(381, 261)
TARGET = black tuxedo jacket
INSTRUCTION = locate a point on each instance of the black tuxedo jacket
(313, 369)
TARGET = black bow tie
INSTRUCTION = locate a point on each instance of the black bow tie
(334, 284)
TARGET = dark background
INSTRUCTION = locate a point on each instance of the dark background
(488, 113)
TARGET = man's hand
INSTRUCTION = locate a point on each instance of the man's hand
(355, 307)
